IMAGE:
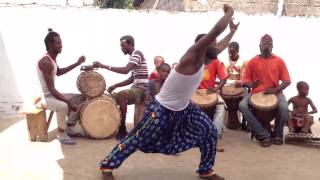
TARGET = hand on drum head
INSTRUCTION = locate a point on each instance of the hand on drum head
(111, 88)
(97, 64)
(238, 83)
(255, 83)
(270, 91)
(212, 90)
(252, 84)
(81, 60)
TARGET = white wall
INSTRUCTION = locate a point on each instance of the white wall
(9, 94)
(95, 33)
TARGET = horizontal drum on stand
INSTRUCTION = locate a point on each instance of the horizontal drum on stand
(264, 108)
(91, 84)
(206, 101)
(232, 95)
(100, 117)
(310, 140)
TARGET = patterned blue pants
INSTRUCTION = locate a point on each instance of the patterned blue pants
(169, 132)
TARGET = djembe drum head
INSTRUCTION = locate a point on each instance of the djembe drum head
(91, 84)
(100, 117)
(231, 91)
(206, 101)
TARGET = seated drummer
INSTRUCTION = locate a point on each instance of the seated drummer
(139, 79)
(263, 73)
(215, 69)
(154, 85)
(300, 105)
(48, 69)
(235, 69)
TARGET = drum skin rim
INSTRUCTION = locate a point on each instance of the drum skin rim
(240, 94)
(206, 105)
(269, 108)
(93, 100)
(103, 88)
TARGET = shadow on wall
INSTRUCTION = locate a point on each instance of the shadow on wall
(10, 99)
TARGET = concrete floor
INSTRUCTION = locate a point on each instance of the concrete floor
(243, 159)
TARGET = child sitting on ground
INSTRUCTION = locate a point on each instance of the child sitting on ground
(300, 120)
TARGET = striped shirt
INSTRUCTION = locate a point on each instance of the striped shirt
(140, 72)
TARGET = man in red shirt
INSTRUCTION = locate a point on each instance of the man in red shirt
(263, 73)
(213, 70)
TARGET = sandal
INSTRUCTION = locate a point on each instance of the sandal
(211, 176)
(278, 141)
(265, 142)
(107, 175)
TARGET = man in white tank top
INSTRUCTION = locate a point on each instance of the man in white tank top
(48, 69)
(171, 123)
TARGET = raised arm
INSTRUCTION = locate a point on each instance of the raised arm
(218, 28)
(223, 44)
(193, 59)
(62, 71)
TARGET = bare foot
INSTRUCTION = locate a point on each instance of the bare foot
(212, 177)
(107, 176)
(220, 149)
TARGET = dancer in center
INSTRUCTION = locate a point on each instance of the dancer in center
(171, 123)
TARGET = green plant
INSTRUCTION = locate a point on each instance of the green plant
(119, 4)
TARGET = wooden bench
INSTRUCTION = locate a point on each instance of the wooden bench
(37, 122)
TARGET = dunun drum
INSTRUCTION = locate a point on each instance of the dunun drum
(91, 84)
(206, 101)
(298, 121)
(264, 108)
(232, 95)
(100, 117)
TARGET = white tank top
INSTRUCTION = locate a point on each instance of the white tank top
(43, 83)
(177, 90)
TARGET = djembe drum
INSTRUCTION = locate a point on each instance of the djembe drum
(298, 121)
(232, 95)
(90, 83)
(264, 108)
(206, 101)
(301, 122)
(100, 117)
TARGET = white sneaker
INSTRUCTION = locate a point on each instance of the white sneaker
(65, 139)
